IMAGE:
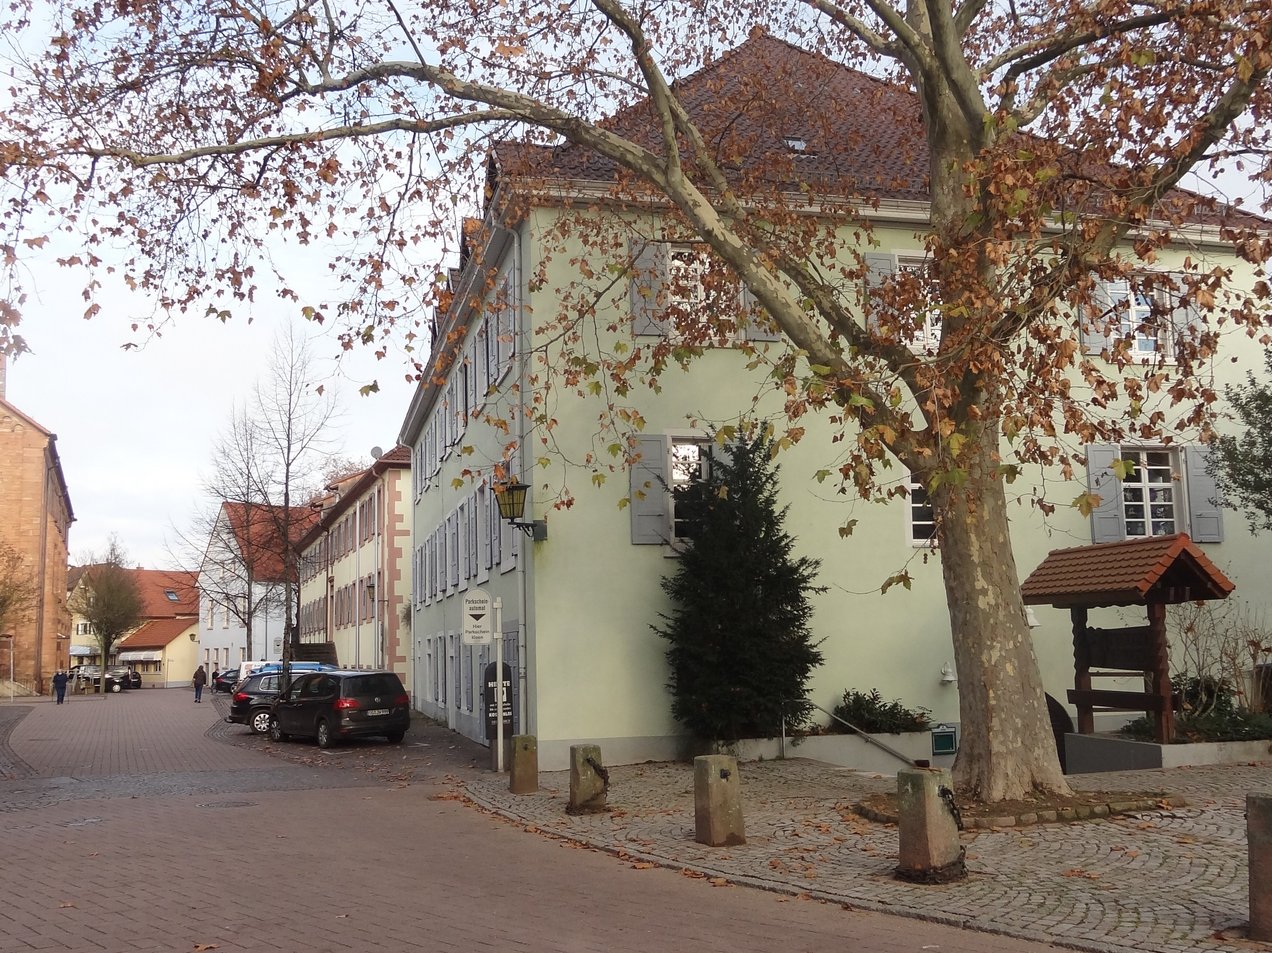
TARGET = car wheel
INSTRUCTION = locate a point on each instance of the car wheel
(276, 732)
(260, 722)
(395, 737)
(116, 687)
(324, 734)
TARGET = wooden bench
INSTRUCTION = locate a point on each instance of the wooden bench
(1120, 701)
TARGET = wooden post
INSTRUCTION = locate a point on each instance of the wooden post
(1082, 669)
(1164, 717)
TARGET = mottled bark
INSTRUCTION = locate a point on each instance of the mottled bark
(1007, 749)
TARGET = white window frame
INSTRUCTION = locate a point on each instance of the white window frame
(928, 336)
(1134, 313)
(675, 479)
(687, 268)
(918, 503)
(1175, 484)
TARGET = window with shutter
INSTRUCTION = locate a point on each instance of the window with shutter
(1165, 490)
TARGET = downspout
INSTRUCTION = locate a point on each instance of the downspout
(360, 588)
(523, 341)
(38, 673)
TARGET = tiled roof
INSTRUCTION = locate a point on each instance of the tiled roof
(791, 118)
(257, 529)
(157, 634)
(154, 586)
(1168, 569)
(860, 135)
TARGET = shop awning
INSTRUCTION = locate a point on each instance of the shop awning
(141, 656)
(81, 651)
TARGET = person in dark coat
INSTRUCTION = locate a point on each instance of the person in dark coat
(200, 679)
(59, 685)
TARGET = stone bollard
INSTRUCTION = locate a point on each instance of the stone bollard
(717, 801)
(928, 824)
(523, 778)
(589, 781)
(1259, 846)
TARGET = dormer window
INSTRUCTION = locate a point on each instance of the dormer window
(797, 144)
(172, 596)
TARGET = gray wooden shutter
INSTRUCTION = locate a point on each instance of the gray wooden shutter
(1205, 515)
(651, 520)
(648, 288)
(1089, 327)
(1106, 519)
(757, 325)
(879, 268)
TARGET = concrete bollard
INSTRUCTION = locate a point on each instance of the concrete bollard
(589, 781)
(927, 823)
(523, 778)
(1259, 846)
(717, 801)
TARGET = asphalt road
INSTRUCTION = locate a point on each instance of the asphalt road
(140, 822)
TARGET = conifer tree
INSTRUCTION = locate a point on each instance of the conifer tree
(738, 628)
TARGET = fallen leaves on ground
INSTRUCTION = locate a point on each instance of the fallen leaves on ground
(642, 865)
(1079, 872)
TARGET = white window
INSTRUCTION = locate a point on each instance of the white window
(695, 294)
(1136, 321)
(1150, 493)
(927, 330)
(922, 516)
(688, 465)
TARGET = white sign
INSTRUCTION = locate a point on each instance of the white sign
(479, 614)
(278, 643)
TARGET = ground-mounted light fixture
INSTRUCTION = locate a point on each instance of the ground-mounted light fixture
(512, 507)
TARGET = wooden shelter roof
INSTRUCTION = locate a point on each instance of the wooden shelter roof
(1165, 569)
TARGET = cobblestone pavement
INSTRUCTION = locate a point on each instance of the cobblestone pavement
(142, 823)
(1160, 881)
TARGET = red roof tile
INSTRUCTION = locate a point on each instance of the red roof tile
(1169, 569)
(258, 531)
(157, 634)
(858, 135)
(154, 586)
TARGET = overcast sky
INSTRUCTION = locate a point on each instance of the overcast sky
(134, 427)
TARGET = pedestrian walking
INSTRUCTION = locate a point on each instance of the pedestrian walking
(200, 679)
(59, 685)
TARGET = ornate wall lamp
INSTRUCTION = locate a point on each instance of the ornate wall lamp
(512, 506)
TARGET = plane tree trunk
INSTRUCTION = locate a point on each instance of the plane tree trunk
(1007, 749)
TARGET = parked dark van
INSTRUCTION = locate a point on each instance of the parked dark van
(332, 706)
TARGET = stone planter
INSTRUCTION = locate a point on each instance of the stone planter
(1089, 754)
(847, 751)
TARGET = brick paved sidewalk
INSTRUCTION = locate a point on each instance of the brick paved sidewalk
(1160, 881)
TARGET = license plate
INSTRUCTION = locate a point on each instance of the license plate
(377, 711)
